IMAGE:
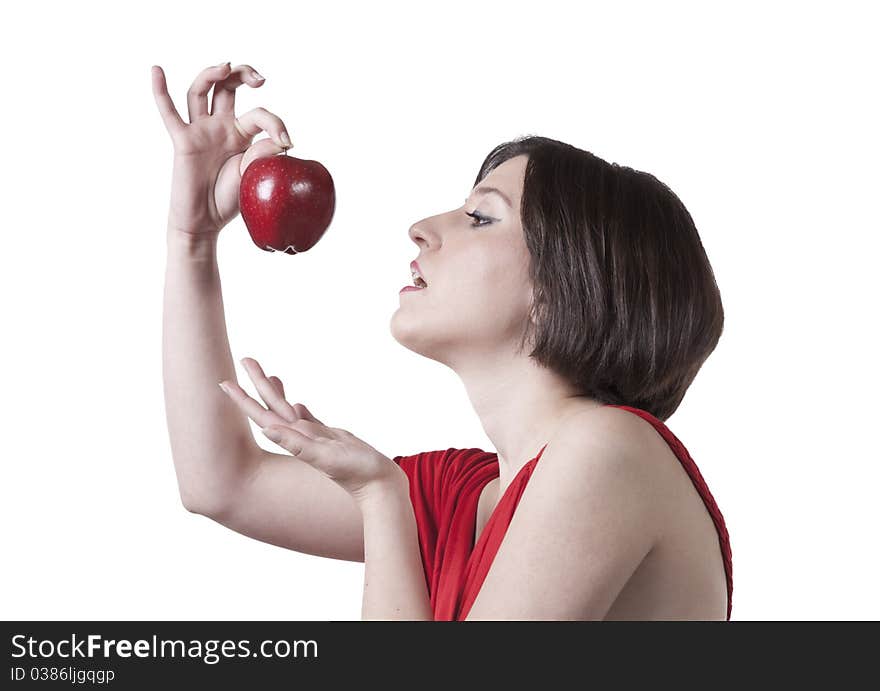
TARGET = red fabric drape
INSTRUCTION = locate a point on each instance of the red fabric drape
(445, 488)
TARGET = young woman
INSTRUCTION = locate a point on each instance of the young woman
(574, 299)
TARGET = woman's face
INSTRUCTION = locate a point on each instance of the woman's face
(478, 294)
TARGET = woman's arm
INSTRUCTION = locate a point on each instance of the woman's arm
(211, 441)
(394, 577)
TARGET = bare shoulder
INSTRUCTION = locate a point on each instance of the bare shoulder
(615, 432)
(594, 442)
(636, 439)
(610, 425)
(611, 450)
(682, 576)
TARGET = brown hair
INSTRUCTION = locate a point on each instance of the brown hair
(626, 306)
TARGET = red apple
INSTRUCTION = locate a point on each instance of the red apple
(286, 203)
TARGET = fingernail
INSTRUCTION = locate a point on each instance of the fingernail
(272, 434)
(285, 139)
(223, 386)
(224, 64)
(259, 77)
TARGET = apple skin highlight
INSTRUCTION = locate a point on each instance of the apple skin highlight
(287, 203)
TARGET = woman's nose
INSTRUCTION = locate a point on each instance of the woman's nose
(428, 232)
(416, 234)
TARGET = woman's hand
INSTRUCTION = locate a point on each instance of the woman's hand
(212, 152)
(350, 462)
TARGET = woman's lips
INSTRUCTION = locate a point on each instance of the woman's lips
(414, 266)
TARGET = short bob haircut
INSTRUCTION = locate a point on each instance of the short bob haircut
(626, 306)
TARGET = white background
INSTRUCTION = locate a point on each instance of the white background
(762, 117)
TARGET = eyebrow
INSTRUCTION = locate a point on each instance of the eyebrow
(484, 189)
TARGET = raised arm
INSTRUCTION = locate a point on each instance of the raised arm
(221, 471)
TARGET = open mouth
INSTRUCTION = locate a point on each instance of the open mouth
(418, 279)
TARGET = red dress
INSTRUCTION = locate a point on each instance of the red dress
(445, 488)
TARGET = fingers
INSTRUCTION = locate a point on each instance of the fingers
(197, 96)
(312, 451)
(173, 122)
(278, 385)
(261, 120)
(267, 391)
(251, 408)
(315, 430)
(305, 414)
(223, 100)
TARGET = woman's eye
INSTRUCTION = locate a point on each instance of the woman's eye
(479, 219)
